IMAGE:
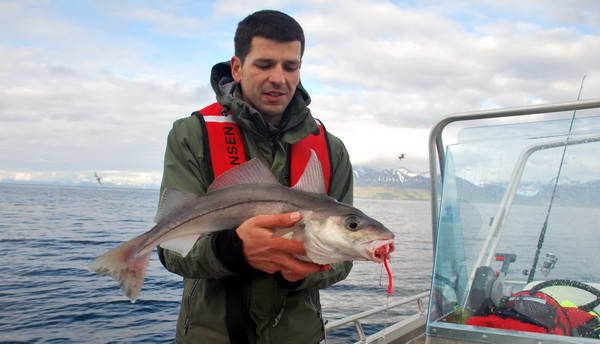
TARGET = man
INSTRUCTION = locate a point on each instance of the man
(242, 285)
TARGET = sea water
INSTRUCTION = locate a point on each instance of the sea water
(48, 235)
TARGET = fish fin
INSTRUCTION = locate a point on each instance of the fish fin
(312, 177)
(124, 266)
(181, 245)
(170, 200)
(250, 172)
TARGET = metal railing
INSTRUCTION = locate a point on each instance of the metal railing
(356, 318)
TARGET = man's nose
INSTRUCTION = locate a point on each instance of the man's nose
(277, 76)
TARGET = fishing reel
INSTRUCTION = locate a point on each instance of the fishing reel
(547, 266)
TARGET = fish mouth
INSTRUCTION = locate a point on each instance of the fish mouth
(379, 250)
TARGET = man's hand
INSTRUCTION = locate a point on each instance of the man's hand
(271, 254)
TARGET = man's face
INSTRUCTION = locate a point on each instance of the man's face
(269, 75)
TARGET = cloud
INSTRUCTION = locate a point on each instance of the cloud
(164, 19)
(410, 50)
(74, 98)
(57, 116)
(22, 19)
(240, 9)
(408, 66)
(562, 12)
(97, 87)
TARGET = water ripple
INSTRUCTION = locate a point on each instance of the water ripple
(47, 294)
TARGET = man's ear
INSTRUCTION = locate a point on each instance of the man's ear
(236, 68)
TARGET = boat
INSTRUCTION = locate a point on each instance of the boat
(515, 198)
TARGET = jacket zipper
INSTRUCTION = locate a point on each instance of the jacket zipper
(189, 315)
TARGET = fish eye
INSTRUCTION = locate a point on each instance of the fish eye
(352, 222)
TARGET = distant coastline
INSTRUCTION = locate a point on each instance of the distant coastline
(381, 192)
(81, 185)
(369, 192)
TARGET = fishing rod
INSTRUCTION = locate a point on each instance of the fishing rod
(562, 160)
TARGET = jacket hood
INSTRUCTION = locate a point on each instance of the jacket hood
(295, 124)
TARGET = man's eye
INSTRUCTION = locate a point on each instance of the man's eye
(291, 68)
(263, 65)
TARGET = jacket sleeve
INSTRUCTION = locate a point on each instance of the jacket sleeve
(341, 188)
(185, 170)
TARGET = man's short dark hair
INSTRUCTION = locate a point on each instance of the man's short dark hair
(273, 25)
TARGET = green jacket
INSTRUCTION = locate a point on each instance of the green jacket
(282, 313)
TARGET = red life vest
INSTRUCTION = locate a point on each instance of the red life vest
(536, 312)
(224, 145)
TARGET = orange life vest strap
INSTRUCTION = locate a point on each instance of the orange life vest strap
(224, 145)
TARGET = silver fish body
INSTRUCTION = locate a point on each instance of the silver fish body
(331, 231)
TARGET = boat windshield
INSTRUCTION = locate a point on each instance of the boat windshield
(518, 209)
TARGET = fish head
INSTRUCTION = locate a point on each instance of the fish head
(350, 235)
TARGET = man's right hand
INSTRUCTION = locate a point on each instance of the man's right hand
(270, 254)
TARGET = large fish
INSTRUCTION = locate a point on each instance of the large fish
(331, 231)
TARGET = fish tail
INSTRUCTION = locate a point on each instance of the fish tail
(125, 265)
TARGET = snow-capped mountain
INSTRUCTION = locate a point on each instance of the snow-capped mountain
(398, 177)
(569, 191)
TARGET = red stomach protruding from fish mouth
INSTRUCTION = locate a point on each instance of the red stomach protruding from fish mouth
(380, 250)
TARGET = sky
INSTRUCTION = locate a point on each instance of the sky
(94, 86)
